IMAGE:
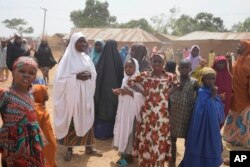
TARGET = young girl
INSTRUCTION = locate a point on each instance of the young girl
(182, 100)
(203, 144)
(152, 137)
(223, 81)
(40, 97)
(20, 140)
(129, 106)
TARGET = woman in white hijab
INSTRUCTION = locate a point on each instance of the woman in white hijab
(74, 88)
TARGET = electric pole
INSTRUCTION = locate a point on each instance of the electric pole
(44, 19)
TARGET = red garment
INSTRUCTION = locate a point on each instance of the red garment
(224, 82)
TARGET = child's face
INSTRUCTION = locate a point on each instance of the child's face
(129, 68)
(209, 80)
(157, 63)
(184, 69)
(221, 65)
(24, 75)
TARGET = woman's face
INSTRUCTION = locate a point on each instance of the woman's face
(80, 44)
(98, 47)
(240, 49)
(24, 75)
(195, 52)
(157, 63)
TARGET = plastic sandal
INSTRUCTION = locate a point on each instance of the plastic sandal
(122, 163)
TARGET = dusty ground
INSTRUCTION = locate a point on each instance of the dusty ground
(80, 159)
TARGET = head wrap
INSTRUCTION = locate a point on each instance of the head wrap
(25, 60)
(207, 70)
(246, 45)
(160, 54)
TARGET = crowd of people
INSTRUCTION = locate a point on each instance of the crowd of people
(144, 101)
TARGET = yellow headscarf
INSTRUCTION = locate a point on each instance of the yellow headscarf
(207, 70)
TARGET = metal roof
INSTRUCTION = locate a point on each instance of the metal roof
(169, 37)
(118, 34)
(204, 35)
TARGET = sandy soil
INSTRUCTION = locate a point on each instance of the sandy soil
(80, 159)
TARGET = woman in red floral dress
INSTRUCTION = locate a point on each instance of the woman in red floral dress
(152, 138)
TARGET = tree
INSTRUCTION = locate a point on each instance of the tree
(184, 25)
(164, 24)
(141, 23)
(207, 22)
(18, 25)
(160, 23)
(242, 26)
(95, 14)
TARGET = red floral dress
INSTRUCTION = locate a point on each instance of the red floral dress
(152, 138)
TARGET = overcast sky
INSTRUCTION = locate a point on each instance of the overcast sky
(58, 20)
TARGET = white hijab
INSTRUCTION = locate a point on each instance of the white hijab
(73, 98)
(128, 109)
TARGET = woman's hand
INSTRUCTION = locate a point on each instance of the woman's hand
(83, 76)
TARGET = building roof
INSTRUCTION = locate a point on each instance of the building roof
(169, 37)
(204, 35)
(118, 34)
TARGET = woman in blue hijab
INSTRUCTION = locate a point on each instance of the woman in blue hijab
(97, 51)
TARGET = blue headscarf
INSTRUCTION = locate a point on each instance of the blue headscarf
(123, 53)
(95, 56)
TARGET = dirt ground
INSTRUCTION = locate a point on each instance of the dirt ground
(80, 159)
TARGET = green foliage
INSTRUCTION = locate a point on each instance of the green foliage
(242, 26)
(95, 14)
(207, 22)
(141, 23)
(18, 25)
(201, 22)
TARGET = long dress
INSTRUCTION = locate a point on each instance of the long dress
(20, 140)
(152, 138)
(74, 98)
(237, 124)
(203, 144)
(43, 118)
(224, 82)
(109, 76)
(128, 110)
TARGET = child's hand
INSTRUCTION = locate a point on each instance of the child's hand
(223, 96)
(145, 93)
(214, 91)
(116, 91)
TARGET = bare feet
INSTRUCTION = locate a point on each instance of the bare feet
(226, 161)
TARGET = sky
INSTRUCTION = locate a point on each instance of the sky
(58, 19)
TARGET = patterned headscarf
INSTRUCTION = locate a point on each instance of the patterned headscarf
(160, 54)
(207, 70)
(25, 60)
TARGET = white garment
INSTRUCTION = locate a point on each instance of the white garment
(128, 109)
(3, 57)
(73, 97)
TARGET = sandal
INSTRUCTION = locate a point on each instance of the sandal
(68, 156)
(94, 152)
(122, 162)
